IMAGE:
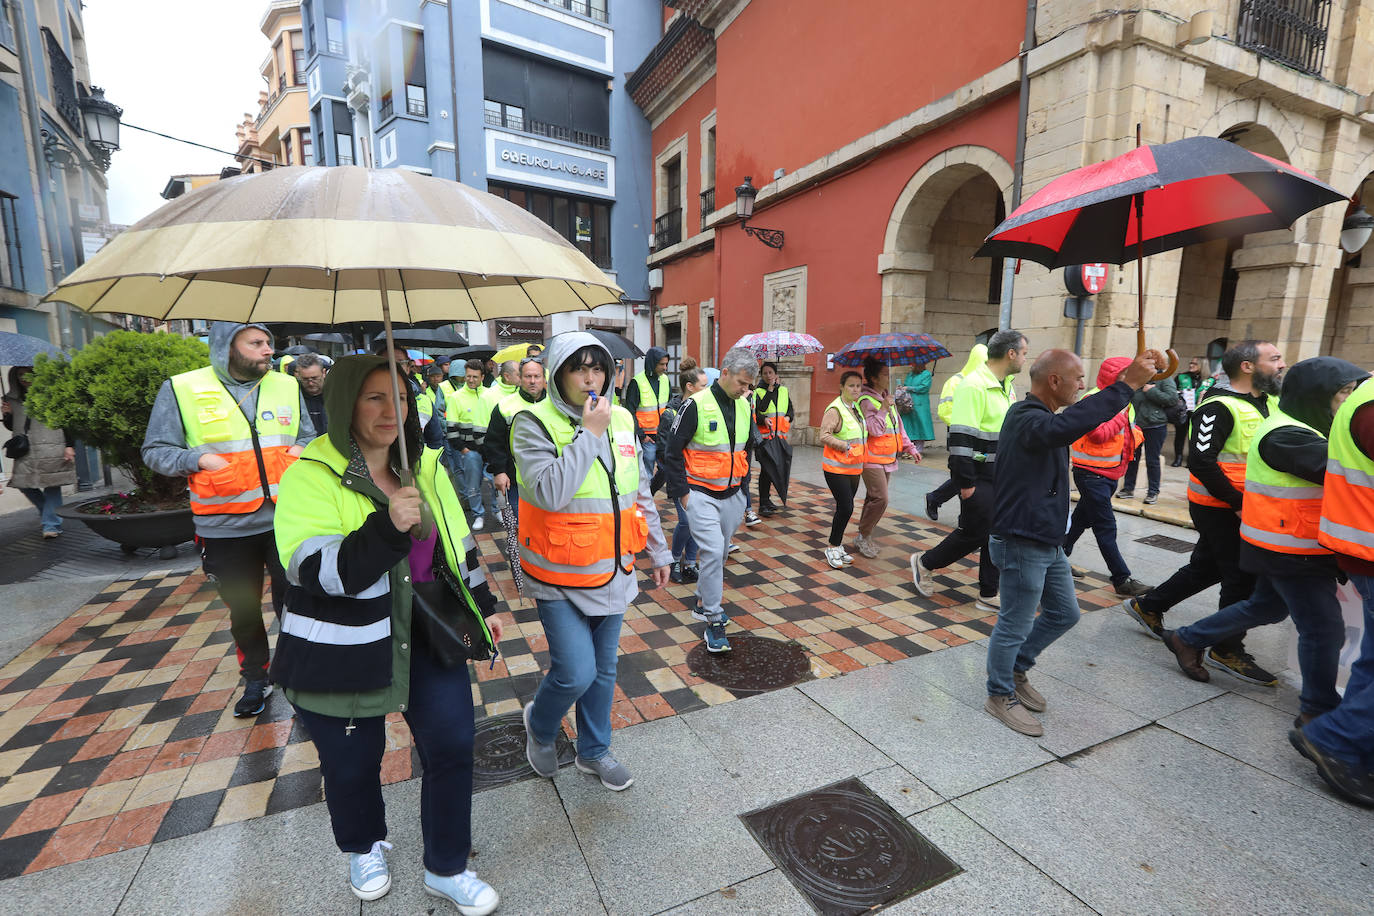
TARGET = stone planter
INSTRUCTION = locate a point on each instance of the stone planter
(164, 528)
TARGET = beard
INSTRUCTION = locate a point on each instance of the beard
(1267, 384)
(247, 369)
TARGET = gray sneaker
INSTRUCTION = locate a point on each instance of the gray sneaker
(920, 577)
(612, 772)
(543, 758)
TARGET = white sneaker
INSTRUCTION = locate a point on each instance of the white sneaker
(846, 556)
(991, 605)
(920, 576)
(478, 523)
(835, 557)
(732, 549)
(469, 893)
(368, 874)
(867, 546)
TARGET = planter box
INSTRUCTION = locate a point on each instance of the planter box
(164, 528)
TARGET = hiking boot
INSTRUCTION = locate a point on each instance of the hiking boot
(1345, 780)
(751, 518)
(1189, 659)
(368, 875)
(691, 573)
(675, 573)
(866, 546)
(988, 604)
(543, 758)
(1150, 499)
(469, 893)
(1013, 714)
(254, 699)
(716, 640)
(835, 557)
(612, 772)
(1241, 665)
(920, 577)
(932, 509)
(1151, 621)
(1130, 588)
(1030, 698)
(1078, 572)
(1125, 494)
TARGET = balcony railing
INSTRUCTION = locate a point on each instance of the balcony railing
(335, 47)
(545, 129)
(1291, 32)
(416, 107)
(668, 229)
(12, 267)
(592, 9)
(63, 82)
(385, 110)
(708, 206)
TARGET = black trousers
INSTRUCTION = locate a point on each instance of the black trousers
(842, 487)
(975, 522)
(944, 493)
(765, 486)
(1216, 558)
(235, 565)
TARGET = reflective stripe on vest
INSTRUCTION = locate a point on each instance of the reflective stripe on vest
(775, 422)
(584, 543)
(1105, 455)
(853, 433)
(1347, 522)
(470, 412)
(1245, 419)
(881, 449)
(712, 462)
(511, 406)
(651, 402)
(1281, 512)
(213, 420)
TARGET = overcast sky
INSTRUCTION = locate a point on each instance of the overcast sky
(183, 67)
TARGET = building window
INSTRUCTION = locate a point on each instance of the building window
(12, 267)
(307, 149)
(499, 114)
(668, 225)
(413, 53)
(308, 17)
(584, 222)
(592, 9)
(1292, 32)
(415, 100)
(334, 36)
(6, 28)
(286, 149)
(672, 342)
(298, 67)
(553, 101)
(63, 81)
(344, 148)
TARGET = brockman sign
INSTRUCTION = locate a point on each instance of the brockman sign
(539, 162)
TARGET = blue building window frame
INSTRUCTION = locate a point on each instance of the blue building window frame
(14, 250)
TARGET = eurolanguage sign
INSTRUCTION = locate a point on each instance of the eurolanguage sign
(553, 164)
(544, 165)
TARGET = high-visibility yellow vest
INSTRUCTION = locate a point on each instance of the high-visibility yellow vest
(652, 399)
(585, 543)
(853, 432)
(714, 458)
(1109, 454)
(1245, 419)
(212, 419)
(512, 405)
(470, 411)
(425, 402)
(1281, 512)
(980, 405)
(775, 422)
(1347, 522)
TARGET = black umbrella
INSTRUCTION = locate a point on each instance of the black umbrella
(20, 349)
(775, 458)
(328, 338)
(620, 347)
(428, 340)
(297, 350)
(473, 351)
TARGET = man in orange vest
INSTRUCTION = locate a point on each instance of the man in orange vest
(1223, 426)
(233, 430)
(1099, 460)
(1285, 474)
(646, 396)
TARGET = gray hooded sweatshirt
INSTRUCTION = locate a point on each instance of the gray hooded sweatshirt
(549, 480)
(164, 445)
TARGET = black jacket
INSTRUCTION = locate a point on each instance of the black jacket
(681, 432)
(1032, 483)
(496, 446)
(1213, 416)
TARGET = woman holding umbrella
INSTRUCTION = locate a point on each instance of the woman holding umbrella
(886, 438)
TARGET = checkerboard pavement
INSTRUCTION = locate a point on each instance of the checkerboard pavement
(117, 729)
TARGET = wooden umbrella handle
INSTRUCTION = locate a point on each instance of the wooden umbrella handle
(1171, 353)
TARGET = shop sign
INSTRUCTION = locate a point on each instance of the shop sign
(519, 330)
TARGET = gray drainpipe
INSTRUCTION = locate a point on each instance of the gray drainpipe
(453, 88)
(26, 63)
(1022, 112)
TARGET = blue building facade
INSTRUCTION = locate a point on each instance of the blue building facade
(522, 98)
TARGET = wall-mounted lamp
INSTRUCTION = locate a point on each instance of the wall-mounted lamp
(1357, 227)
(744, 210)
(1195, 31)
(58, 152)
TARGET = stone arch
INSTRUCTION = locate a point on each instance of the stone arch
(930, 189)
(1263, 114)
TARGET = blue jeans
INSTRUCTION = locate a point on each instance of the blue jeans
(470, 481)
(684, 545)
(1033, 573)
(1317, 615)
(582, 657)
(1347, 732)
(440, 717)
(649, 449)
(1094, 510)
(46, 501)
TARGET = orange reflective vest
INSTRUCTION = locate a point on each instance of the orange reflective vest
(585, 543)
(852, 432)
(214, 421)
(652, 399)
(1245, 419)
(882, 449)
(715, 458)
(1281, 512)
(1347, 523)
(1112, 453)
(775, 422)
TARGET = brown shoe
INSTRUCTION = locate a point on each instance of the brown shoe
(1189, 659)
(1030, 698)
(1014, 716)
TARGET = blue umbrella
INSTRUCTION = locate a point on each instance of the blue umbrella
(20, 349)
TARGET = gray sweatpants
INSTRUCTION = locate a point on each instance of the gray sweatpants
(713, 523)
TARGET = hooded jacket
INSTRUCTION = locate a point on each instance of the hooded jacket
(1308, 388)
(631, 397)
(945, 406)
(551, 479)
(1106, 376)
(164, 445)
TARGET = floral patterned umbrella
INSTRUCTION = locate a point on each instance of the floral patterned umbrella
(772, 344)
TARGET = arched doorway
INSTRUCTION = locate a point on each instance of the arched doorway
(1349, 329)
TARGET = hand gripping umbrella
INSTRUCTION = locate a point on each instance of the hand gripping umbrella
(1191, 190)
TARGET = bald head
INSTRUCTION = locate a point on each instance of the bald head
(1056, 378)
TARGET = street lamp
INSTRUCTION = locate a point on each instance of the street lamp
(1356, 229)
(744, 210)
(100, 118)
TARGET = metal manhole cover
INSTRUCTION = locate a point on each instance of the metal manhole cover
(754, 665)
(498, 755)
(1164, 542)
(846, 850)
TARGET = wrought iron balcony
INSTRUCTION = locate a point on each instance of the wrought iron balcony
(1291, 32)
(385, 110)
(592, 9)
(63, 81)
(668, 229)
(708, 205)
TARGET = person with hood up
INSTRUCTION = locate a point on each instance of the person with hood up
(944, 409)
(233, 428)
(1295, 575)
(50, 463)
(646, 397)
(587, 510)
(1099, 460)
(359, 552)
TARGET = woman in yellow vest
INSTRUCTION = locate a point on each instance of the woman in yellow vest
(353, 649)
(586, 511)
(886, 438)
(843, 435)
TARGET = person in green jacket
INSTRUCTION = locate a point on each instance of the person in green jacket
(919, 427)
(356, 546)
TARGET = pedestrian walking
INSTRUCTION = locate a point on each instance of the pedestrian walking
(1295, 575)
(944, 408)
(1188, 383)
(310, 372)
(49, 462)
(354, 649)
(1099, 459)
(507, 381)
(691, 380)
(645, 397)
(1031, 511)
(886, 440)
(233, 428)
(496, 453)
(587, 511)
(706, 467)
(1151, 404)
(773, 415)
(916, 421)
(469, 415)
(1223, 431)
(843, 436)
(980, 404)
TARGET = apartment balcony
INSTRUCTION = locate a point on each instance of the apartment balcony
(708, 206)
(1291, 32)
(668, 229)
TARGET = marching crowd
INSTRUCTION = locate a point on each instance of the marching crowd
(363, 519)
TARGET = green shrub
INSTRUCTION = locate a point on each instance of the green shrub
(104, 394)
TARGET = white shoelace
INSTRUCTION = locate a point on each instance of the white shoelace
(373, 862)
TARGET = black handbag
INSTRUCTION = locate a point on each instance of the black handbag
(18, 445)
(444, 614)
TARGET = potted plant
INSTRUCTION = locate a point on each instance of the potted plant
(103, 394)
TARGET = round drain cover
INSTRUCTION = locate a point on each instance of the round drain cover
(499, 751)
(754, 664)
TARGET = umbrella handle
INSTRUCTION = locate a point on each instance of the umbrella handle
(1171, 353)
